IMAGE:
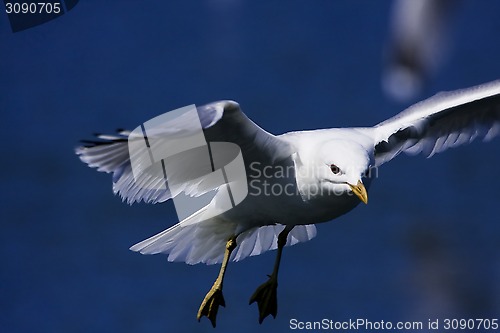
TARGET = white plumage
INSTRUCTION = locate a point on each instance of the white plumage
(443, 121)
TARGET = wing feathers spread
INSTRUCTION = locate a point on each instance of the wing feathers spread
(196, 239)
(221, 121)
(444, 121)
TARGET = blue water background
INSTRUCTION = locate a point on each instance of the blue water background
(426, 246)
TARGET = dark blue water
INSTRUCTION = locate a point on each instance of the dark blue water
(427, 246)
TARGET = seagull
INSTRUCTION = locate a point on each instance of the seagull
(418, 46)
(295, 180)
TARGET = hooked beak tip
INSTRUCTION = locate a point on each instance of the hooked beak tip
(360, 191)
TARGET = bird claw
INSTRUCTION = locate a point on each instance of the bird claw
(266, 298)
(210, 305)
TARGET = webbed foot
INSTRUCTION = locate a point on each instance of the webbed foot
(266, 297)
(210, 304)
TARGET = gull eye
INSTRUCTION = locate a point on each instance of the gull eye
(335, 169)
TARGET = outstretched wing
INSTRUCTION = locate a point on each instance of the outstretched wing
(221, 122)
(445, 120)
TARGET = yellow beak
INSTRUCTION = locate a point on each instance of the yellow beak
(360, 191)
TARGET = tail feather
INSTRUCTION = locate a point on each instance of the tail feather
(202, 242)
(205, 241)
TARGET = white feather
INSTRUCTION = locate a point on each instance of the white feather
(429, 127)
(443, 121)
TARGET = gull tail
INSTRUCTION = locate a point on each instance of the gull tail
(193, 240)
(196, 241)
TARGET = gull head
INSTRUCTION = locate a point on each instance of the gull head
(336, 167)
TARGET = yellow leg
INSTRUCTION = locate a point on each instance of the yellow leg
(266, 293)
(214, 298)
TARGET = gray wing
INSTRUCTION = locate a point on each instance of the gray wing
(445, 120)
(221, 122)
